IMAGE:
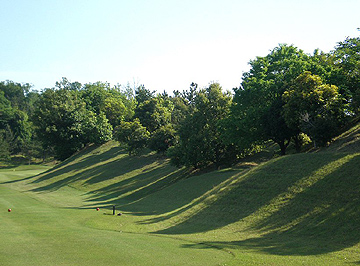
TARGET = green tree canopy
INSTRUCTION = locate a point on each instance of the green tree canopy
(15, 126)
(199, 141)
(133, 134)
(347, 59)
(15, 93)
(142, 94)
(154, 113)
(162, 139)
(313, 107)
(63, 122)
(257, 106)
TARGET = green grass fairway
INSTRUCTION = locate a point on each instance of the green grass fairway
(301, 209)
(39, 233)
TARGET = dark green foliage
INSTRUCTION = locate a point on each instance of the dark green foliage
(63, 122)
(15, 93)
(179, 111)
(347, 59)
(67, 85)
(275, 126)
(258, 113)
(133, 134)
(94, 95)
(100, 98)
(153, 113)
(142, 94)
(199, 141)
(4, 148)
(15, 127)
(257, 106)
(315, 108)
(162, 139)
(58, 119)
(96, 128)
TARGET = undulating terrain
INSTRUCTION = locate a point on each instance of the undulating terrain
(299, 209)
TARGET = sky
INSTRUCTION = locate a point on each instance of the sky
(162, 44)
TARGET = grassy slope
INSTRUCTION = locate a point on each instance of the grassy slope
(300, 209)
(47, 228)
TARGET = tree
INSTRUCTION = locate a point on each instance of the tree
(115, 110)
(347, 59)
(15, 93)
(63, 122)
(4, 148)
(313, 107)
(100, 98)
(255, 115)
(57, 119)
(183, 104)
(142, 94)
(162, 139)
(154, 113)
(133, 134)
(15, 126)
(5, 110)
(96, 128)
(95, 95)
(199, 143)
(67, 85)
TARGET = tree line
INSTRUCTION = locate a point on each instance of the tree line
(286, 97)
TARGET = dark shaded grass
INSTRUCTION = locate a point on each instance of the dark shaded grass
(322, 218)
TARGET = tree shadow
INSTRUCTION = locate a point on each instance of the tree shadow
(133, 187)
(142, 194)
(242, 197)
(191, 193)
(322, 217)
(97, 169)
(80, 160)
(138, 187)
(271, 244)
(198, 194)
(327, 212)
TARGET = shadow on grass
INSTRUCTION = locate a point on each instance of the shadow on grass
(298, 210)
(93, 169)
(156, 192)
(198, 189)
(139, 177)
(311, 211)
(241, 198)
(75, 163)
(138, 187)
(275, 245)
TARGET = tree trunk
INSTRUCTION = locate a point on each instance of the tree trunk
(298, 143)
(283, 146)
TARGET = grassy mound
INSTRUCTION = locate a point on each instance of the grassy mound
(301, 209)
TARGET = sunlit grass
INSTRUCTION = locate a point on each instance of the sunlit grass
(299, 209)
(38, 233)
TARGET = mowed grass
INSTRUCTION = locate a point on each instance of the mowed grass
(301, 209)
(42, 230)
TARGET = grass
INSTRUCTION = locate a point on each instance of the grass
(42, 229)
(301, 209)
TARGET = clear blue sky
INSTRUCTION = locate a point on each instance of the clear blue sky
(165, 44)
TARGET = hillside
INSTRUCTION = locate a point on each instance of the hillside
(305, 207)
